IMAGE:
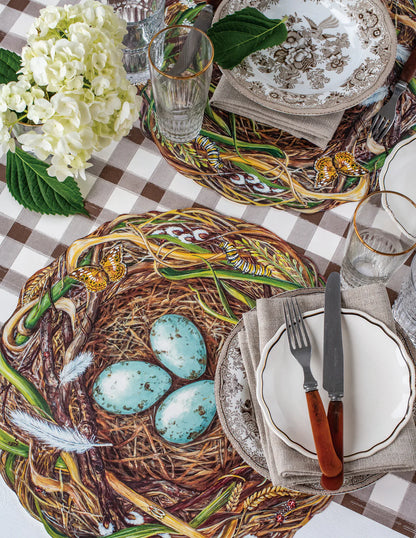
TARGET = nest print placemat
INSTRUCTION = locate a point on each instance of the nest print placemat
(89, 456)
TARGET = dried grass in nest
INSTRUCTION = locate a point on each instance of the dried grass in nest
(126, 337)
(75, 493)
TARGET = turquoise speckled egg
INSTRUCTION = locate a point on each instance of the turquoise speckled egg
(179, 346)
(129, 387)
(187, 412)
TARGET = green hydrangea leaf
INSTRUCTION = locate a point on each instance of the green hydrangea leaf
(9, 66)
(30, 184)
(246, 31)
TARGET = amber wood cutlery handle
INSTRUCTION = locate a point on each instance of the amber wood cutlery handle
(336, 426)
(409, 67)
(328, 460)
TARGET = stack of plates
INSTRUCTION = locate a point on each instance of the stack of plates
(379, 390)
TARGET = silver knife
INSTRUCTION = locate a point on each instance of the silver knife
(202, 22)
(333, 372)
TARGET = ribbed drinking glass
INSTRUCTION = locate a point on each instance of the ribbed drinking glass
(180, 100)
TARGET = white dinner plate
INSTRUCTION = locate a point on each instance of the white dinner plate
(336, 54)
(378, 385)
(398, 174)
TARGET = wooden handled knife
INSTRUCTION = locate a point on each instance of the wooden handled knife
(333, 373)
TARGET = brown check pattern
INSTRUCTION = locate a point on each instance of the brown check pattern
(131, 177)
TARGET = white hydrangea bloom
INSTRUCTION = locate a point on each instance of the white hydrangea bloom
(40, 110)
(15, 96)
(72, 86)
(50, 18)
(39, 66)
(3, 102)
(36, 143)
(7, 119)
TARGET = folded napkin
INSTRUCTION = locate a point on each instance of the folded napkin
(317, 129)
(287, 467)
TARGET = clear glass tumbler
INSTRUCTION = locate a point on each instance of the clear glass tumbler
(180, 100)
(144, 19)
(404, 307)
(380, 239)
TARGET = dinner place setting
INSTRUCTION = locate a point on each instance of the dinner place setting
(308, 142)
(207, 276)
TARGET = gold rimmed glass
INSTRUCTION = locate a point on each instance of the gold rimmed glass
(380, 239)
(180, 100)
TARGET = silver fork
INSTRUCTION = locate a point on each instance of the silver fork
(300, 347)
(299, 343)
(384, 119)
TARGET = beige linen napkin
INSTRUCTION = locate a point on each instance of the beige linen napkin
(288, 467)
(317, 129)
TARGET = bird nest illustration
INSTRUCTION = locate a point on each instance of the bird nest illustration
(105, 429)
(253, 163)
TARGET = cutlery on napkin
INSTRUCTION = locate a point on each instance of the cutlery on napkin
(288, 467)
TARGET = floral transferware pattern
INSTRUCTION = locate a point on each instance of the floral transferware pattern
(335, 55)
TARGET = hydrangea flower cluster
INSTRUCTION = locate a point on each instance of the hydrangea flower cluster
(72, 87)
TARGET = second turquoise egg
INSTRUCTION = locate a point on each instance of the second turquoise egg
(179, 346)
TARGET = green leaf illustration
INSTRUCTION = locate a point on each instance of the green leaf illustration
(30, 184)
(237, 35)
(9, 66)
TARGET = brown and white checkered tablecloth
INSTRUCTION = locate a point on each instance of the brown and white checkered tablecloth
(131, 177)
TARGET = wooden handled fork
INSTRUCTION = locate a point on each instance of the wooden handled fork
(300, 347)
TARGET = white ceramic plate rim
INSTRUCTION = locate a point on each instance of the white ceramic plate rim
(396, 427)
(389, 181)
(331, 101)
